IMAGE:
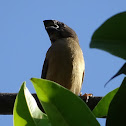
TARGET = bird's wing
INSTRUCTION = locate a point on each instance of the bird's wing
(44, 69)
(83, 76)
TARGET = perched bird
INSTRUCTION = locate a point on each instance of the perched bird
(64, 62)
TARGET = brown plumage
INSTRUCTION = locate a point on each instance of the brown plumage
(64, 62)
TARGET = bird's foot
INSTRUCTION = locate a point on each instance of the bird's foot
(86, 96)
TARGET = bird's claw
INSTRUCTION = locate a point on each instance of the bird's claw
(86, 96)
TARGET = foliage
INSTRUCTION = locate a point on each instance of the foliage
(101, 110)
(110, 36)
(59, 104)
(117, 109)
(26, 111)
(62, 107)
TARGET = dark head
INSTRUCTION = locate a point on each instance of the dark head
(57, 30)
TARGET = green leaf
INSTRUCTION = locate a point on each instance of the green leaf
(26, 111)
(111, 36)
(101, 109)
(117, 109)
(62, 106)
(121, 71)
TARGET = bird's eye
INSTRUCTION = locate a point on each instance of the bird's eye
(61, 25)
(56, 26)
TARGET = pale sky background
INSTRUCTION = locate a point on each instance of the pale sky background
(24, 42)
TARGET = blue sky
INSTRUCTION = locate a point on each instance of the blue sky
(24, 42)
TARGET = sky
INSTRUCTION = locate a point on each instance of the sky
(24, 43)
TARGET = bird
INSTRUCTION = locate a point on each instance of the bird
(64, 62)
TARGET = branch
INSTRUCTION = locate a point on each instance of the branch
(7, 102)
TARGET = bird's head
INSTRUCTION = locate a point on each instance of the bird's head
(57, 30)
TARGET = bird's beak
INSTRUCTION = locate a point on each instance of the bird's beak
(51, 25)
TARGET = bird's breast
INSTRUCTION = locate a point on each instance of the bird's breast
(66, 64)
